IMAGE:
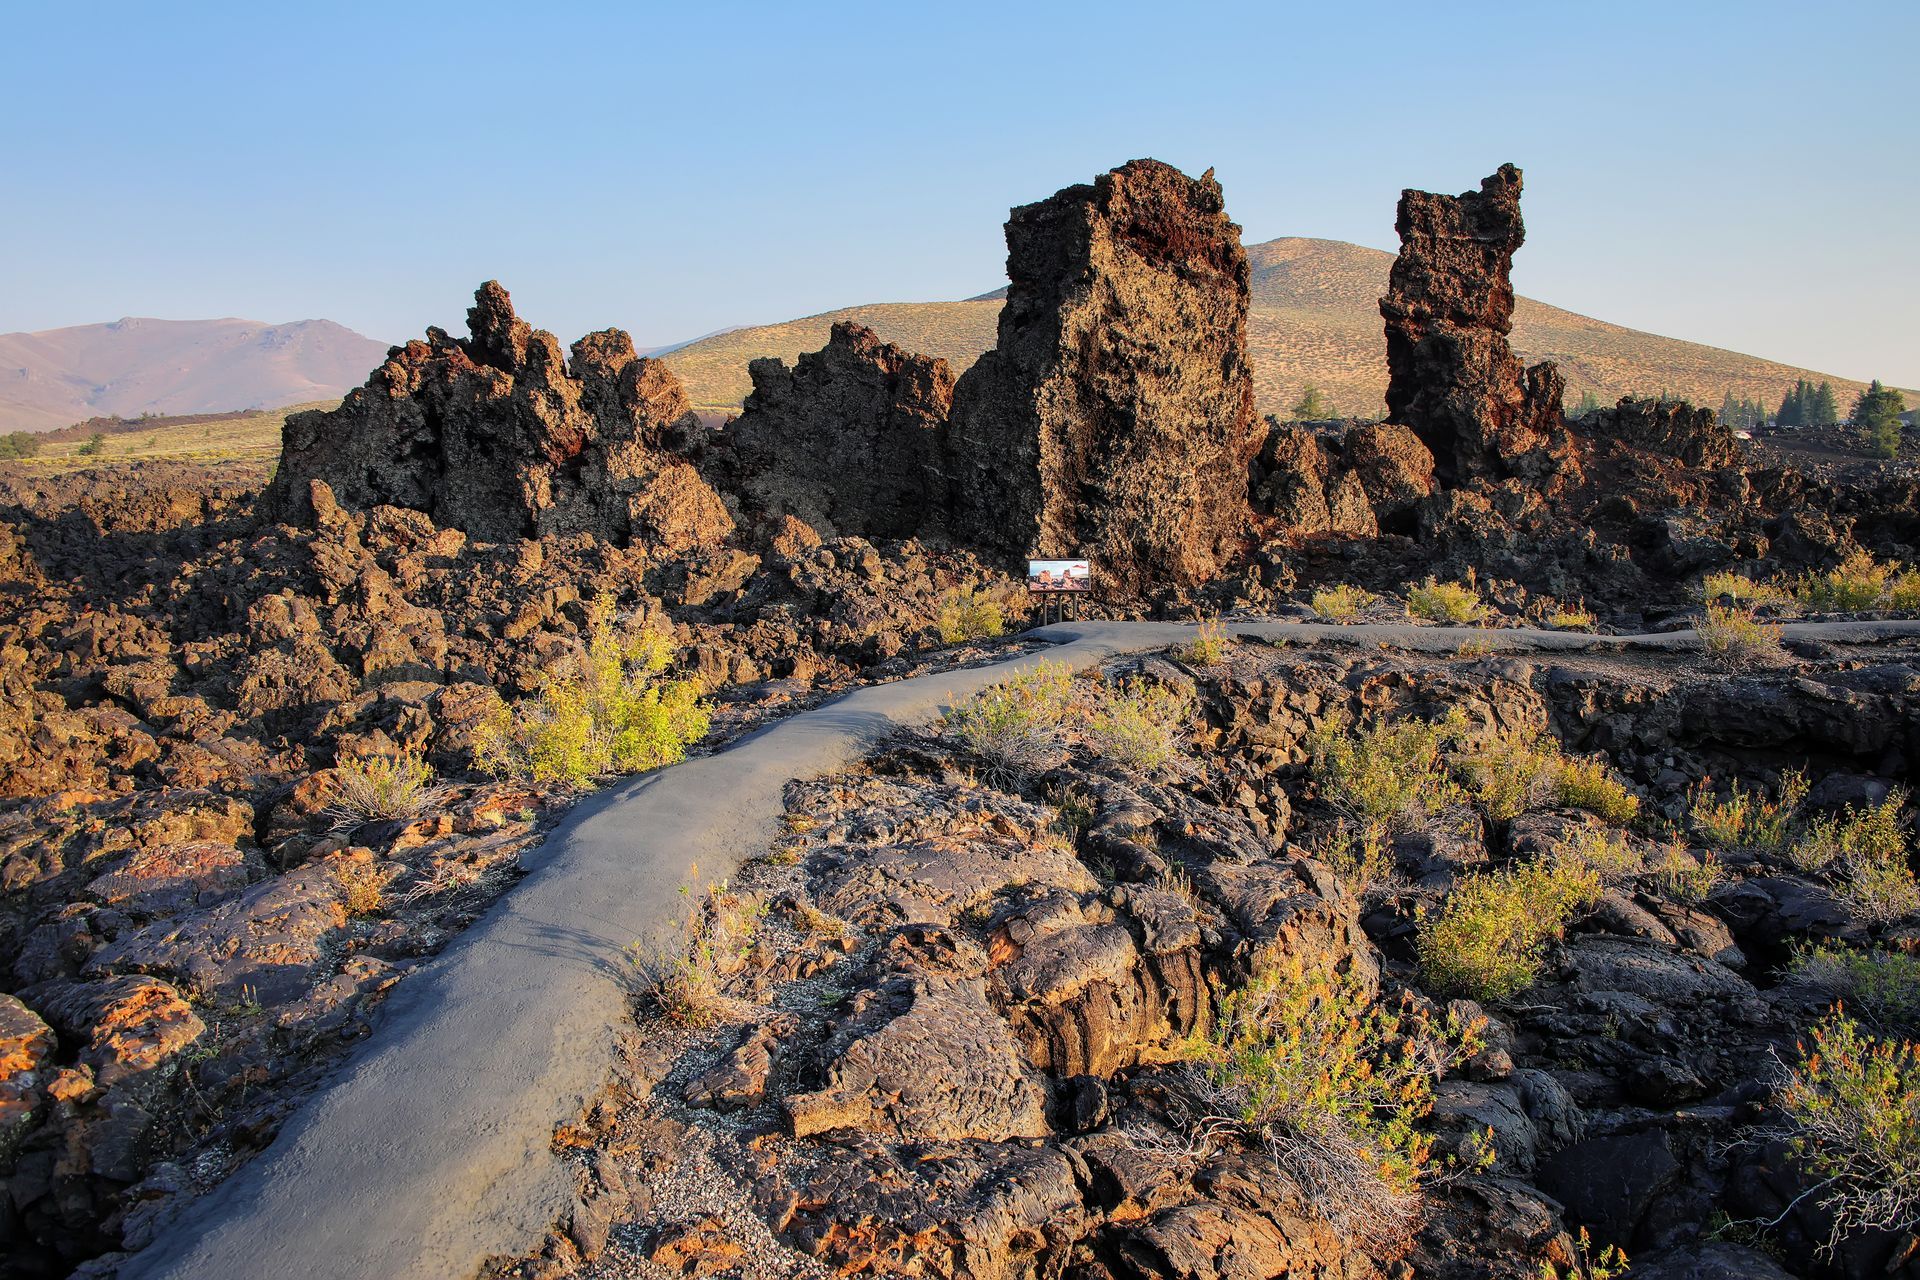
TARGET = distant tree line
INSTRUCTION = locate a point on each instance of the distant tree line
(1741, 413)
(1808, 406)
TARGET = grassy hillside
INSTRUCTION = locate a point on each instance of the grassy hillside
(1315, 319)
(216, 438)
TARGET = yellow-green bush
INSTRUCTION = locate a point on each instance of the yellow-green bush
(605, 713)
(1334, 1083)
(1853, 1101)
(1360, 854)
(1569, 617)
(1015, 728)
(1209, 645)
(1685, 878)
(383, 789)
(1857, 582)
(1742, 592)
(1456, 602)
(1748, 820)
(969, 615)
(1608, 854)
(687, 976)
(1587, 783)
(1486, 940)
(1342, 603)
(1877, 833)
(1882, 986)
(1513, 773)
(1137, 724)
(1736, 640)
(1391, 774)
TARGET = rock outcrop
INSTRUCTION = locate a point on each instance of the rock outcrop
(1673, 428)
(1452, 376)
(1114, 418)
(499, 436)
(852, 439)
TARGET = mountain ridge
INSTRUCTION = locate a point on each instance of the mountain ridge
(1315, 318)
(52, 378)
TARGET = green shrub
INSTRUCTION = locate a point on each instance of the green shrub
(1879, 886)
(1342, 603)
(1746, 820)
(1606, 853)
(1208, 647)
(687, 977)
(1857, 582)
(1573, 617)
(1454, 602)
(1015, 728)
(1882, 986)
(1334, 1084)
(1877, 833)
(397, 788)
(1903, 593)
(1853, 1101)
(19, 444)
(1515, 773)
(1742, 592)
(1685, 878)
(605, 713)
(1137, 724)
(1391, 774)
(969, 615)
(1360, 854)
(1736, 640)
(1486, 940)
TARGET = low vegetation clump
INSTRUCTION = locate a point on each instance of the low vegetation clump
(1878, 885)
(363, 886)
(1876, 833)
(19, 444)
(1016, 728)
(397, 788)
(606, 713)
(1686, 878)
(1853, 1104)
(1747, 821)
(1342, 603)
(1360, 855)
(1208, 648)
(1857, 583)
(1608, 854)
(1570, 617)
(1513, 773)
(1730, 588)
(1137, 724)
(1455, 602)
(687, 977)
(1334, 1084)
(969, 615)
(1881, 986)
(1392, 774)
(1488, 938)
(1737, 640)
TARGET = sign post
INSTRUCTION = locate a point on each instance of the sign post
(1059, 584)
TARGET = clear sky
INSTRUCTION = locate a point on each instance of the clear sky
(1743, 174)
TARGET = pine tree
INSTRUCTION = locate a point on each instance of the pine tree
(1792, 413)
(1877, 414)
(1313, 406)
(1826, 407)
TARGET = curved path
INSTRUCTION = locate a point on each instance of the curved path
(431, 1150)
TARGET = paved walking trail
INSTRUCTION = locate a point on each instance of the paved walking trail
(431, 1150)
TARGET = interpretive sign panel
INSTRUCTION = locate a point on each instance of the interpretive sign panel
(1059, 575)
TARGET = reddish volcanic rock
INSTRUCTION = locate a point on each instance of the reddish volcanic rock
(497, 436)
(1115, 416)
(852, 439)
(1452, 376)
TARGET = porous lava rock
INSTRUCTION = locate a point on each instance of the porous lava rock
(852, 439)
(1114, 417)
(499, 436)
(1451, 374)
(1670, 427)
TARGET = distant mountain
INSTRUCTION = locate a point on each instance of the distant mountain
(61, 376)
(1315, 319)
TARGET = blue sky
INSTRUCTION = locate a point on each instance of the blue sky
(1740, 174)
